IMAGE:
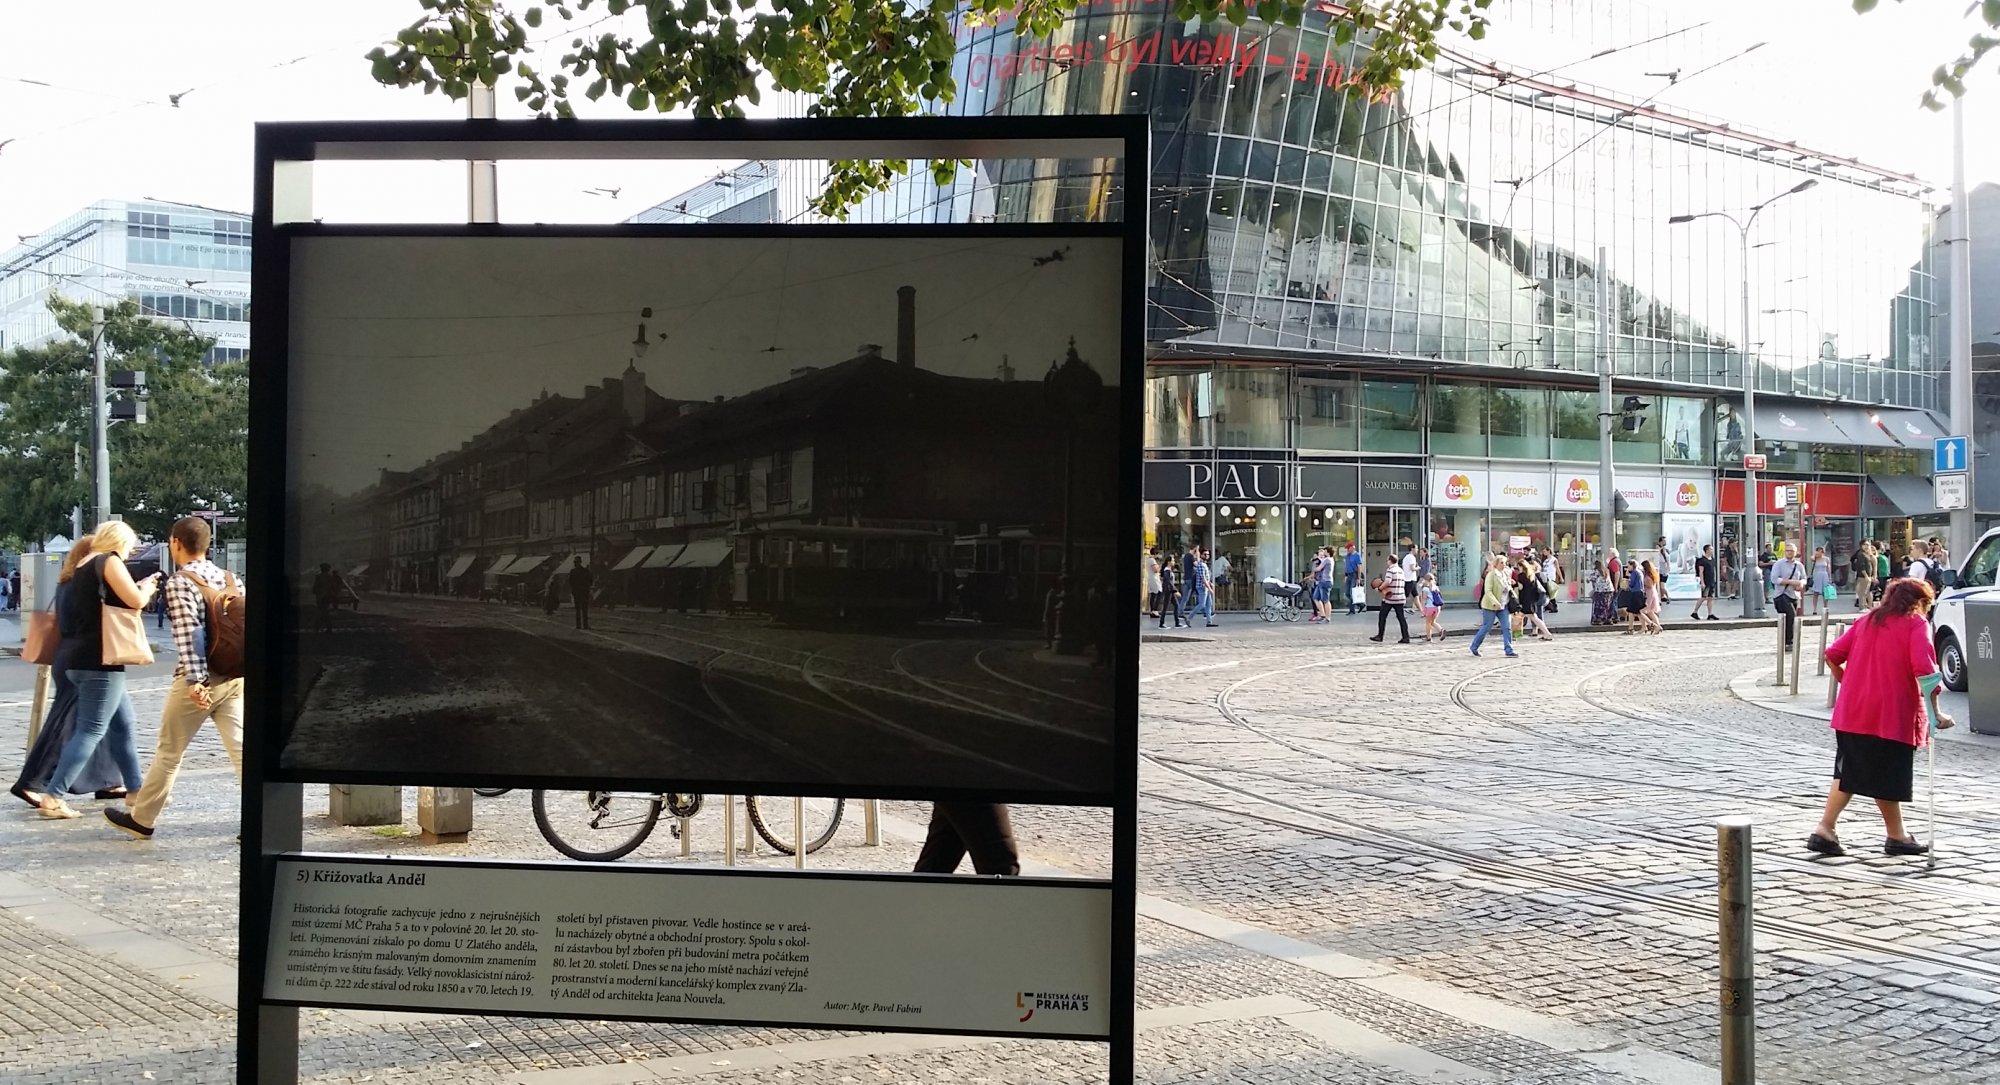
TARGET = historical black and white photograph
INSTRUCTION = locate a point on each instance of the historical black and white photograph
(791, 512)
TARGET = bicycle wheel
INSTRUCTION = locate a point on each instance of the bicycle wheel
(822, 820)
(595, 825)
(491, 792)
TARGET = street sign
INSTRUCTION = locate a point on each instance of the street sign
(1781, 496)
(1754, 462)
(1949, 491)
(1949, 454)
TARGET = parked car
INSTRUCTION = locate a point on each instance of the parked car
(1973, 580)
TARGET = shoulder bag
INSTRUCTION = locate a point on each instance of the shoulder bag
(122, 632)
(40, 639)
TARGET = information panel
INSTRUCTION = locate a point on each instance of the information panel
(1024, 957)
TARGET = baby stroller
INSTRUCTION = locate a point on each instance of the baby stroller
(1281, 600)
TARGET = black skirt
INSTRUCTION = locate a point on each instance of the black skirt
(1878, 768)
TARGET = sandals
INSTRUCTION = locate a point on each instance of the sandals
(1824, 845)
(55, 809)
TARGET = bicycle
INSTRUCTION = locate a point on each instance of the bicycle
(627, 818)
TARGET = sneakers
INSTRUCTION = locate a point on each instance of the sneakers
(1377, 638)
(1695, 617)
(127, 822)
(1713, 618)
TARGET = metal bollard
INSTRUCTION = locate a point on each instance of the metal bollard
(799, 833)
(1825, 624)
(1734, 918)
(871, 822)
(1779, 679)
(1797, 654)
(687, 845)
(729, 830)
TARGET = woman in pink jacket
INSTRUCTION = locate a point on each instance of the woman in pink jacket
(1878, 722)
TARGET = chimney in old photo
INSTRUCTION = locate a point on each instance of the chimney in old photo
(906, 326)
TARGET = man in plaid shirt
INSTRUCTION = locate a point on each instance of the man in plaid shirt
(195, 695)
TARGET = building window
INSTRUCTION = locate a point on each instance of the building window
(778, 480)
(145, 224)
(652, 495)
(1180, 410)
(677, 494)
(625, 499)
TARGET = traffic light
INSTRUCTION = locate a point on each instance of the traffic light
(1631, 414)
(132, 407)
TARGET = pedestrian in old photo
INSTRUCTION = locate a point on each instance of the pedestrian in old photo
(326, 596)
(580, 578)
(208, 674)
(552, 593)
(104, 709)
(958, 829)
(1878, 715)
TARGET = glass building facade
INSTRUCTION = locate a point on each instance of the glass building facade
(1403, 289)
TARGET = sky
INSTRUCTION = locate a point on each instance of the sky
(405, 347)
(104, 128)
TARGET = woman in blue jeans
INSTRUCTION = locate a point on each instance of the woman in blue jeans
(103, 708)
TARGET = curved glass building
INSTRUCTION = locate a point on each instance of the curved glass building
(1377, 318)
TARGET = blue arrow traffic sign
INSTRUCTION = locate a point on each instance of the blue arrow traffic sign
(1950, 454)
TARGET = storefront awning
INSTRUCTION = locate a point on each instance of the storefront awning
(358, 569)
(632, 559)
(1859, 423)
(526, 564)
(704, 554)
(499, 565)
(460, 565)
(1798, 423)
(1908, 495)
(1914, 428)
(663, 557)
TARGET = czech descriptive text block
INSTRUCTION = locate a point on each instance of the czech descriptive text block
(1014, 956)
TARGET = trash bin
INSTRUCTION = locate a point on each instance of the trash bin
(1982, 665)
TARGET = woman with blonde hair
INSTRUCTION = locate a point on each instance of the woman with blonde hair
(104, 715)
(100, 776)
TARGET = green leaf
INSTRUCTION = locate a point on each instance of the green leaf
(533, 17)
(638, 99)
(1477, 32)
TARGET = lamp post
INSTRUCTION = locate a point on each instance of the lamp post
(1753, 596)
(1071, 390)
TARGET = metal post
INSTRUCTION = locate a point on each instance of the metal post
(1797, 652)
(1607, 527)
(1779, 679)
(687, 846)
(1752, 543)
(1734, 919)
(41, 705)
(482, 178)
(729, 830)
(799, 833)
(1825, 623)
(100, 422)
(1962, 533)
(871, 823)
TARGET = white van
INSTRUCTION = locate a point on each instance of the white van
(1975, 580)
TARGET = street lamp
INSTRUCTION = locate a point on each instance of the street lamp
(1071, 390)
(1753, 597)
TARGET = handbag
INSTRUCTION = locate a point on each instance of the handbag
(122, 635)
(40, 639)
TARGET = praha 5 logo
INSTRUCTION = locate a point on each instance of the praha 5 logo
(1687, 496)
(1578, 492)
(1458, 488)
(1031, 1001)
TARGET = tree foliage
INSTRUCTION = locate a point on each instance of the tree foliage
(1949, 78)
(858, 58)
(190, 454)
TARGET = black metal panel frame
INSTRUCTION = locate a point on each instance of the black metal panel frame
(267, 1035)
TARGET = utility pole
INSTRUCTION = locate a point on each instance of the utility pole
(1962, 534)
(1607, 482)
(482, 178)
(100, 422)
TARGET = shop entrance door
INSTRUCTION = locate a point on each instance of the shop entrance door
(1390, 532)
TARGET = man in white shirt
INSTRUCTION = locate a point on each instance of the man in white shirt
(1409, 568)
(1788, 581)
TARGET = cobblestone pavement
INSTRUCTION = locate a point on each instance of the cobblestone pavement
(1360, 863)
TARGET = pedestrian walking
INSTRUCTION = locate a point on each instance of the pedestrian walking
(1351, 568)
(1394, 597)
(580, 578)
(1603, 596)
(1409, 578)
(14, 588)
(1822, 579)
(100, 776)
(1878, 715)
(1632, 600)
(1655, 590)
(1153, 583)
(1321, 584)
(1863, 568)
(104, 713)
(1788, 579)
(1433, 607)
(979, 829)
(208, 676)
(1170, 593)
(1615, 567)
(1710, 580)
(1494, 593)
(1534, 596)
(1204, 577)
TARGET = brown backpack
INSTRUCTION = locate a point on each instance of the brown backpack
(225, 625)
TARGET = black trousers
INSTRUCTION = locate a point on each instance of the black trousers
(980, 829)
(581, 604)
(1790, 610)
(1382, 619)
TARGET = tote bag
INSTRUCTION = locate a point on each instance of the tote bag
(38, 643)
(122, 634)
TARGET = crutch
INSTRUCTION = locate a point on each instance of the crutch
(1926, 685)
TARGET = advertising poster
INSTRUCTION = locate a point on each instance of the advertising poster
(1686, 534)
(784, 510)
(551, 939)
